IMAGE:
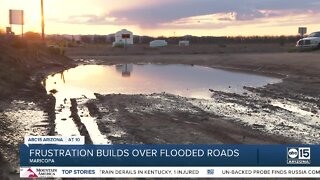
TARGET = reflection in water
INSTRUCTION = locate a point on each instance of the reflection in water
(188, 81)
(62, 77)
(124, 69)
(44, 82)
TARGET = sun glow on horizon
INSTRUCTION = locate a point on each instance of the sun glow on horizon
(94, 17)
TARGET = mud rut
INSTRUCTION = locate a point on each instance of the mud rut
(77, 120)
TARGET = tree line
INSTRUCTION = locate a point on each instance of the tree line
(108, 39)
(99, 39)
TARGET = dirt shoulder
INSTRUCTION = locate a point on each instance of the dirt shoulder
(300, 64)
(23, 64)
(25, 107)
(171, 49)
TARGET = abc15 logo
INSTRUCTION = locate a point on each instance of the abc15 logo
(301, 153)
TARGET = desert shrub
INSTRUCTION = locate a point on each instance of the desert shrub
(298, 49)
(293, 49)
(19, 43)
(282, 40)
(1, 31)
(150, 48)
(37, 45)
(119, 45)
(54, 50)
(32, 35)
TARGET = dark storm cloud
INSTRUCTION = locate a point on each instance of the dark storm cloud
(152, 15)
(166, 11)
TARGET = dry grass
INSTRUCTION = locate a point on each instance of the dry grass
(107, 50)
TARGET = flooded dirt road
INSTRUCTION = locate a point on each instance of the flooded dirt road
(279, 110)
(81, 83)
(179, 104)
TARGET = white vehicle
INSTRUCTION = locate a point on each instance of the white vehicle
(312, 41)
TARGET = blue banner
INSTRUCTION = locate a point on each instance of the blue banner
(169, 155)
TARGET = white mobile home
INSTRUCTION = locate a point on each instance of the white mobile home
(158, 43)
(123, 37)
(184, 43)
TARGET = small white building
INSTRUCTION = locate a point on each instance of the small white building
(158, 43)
(184, 43)
(123, 37)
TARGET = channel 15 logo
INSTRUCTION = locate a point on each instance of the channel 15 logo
(298, 155)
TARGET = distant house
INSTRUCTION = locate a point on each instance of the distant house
(184, 43)
(123, 37)
(158, 43)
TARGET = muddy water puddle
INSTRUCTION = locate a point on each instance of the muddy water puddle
(183, 80)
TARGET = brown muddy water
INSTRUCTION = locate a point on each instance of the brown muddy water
(183, 80)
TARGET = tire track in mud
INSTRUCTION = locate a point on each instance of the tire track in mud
(77, 120)
(260, 112)
(95, 112)
(50, 110)
(165, 118)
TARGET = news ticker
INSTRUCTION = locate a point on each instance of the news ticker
(54, 157)
(170, 172)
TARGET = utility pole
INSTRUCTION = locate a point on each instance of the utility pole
(42, 20)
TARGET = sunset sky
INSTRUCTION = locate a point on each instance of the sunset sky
(168, 17)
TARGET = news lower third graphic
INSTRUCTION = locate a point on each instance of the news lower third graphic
(69, 157)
